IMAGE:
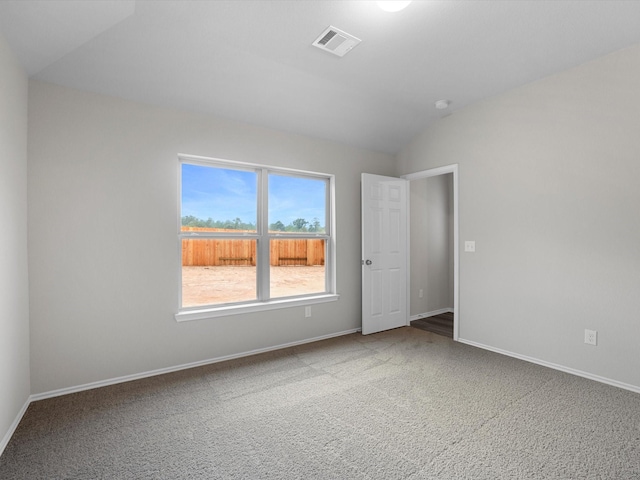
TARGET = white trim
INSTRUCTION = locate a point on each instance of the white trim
(263, 243)
(331, 247)
(14, 425)
(162, 371)
(456, 255)
(247, 166)
(226, 310)
(431, 313)
(434, 172)
(555, 366)
(408, 250)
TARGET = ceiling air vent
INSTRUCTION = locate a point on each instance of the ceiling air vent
(334, 40)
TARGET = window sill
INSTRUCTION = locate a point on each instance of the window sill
(212, 312)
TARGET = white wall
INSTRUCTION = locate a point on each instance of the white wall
(419, 247)
(103, 243)
(549, 189)
(431, 244)
(14, 286)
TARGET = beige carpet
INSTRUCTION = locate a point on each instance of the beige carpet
(405, 404)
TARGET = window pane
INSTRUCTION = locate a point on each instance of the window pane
(218, 198)
(297, 267)
(297, 204)
(216, 271)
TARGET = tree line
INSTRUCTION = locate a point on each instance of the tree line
(297, 225)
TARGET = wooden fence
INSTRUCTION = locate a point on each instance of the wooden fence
(215, 251)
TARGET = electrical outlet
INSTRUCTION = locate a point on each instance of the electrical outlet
(307, 312)
(590, 337)
(421, 293)
(470, 246)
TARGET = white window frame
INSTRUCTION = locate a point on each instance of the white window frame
(263, 238)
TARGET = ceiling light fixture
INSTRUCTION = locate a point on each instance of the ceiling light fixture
(442, 104)
(393, 5)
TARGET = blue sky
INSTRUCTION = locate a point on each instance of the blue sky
(224, 194)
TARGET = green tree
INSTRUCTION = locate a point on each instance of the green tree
(237, 224)
(189, 221)
(315, 226)
(277, 226)
(299, 224)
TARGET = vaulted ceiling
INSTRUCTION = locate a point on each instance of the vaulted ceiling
(253, 61)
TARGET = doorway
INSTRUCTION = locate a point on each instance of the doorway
(433, 265)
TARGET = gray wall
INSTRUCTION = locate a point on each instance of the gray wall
(549, 178)
(14, 286)
(431, 244)
(103, 236)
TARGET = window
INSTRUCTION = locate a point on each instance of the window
(253, 237)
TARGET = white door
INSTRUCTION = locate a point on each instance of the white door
(384, 253)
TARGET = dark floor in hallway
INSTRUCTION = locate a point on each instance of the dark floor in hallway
(442, 324)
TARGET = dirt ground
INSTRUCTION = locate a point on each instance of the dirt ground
(225, 284)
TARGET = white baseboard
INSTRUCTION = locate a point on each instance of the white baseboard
(555, 366)
(430, 314)
(14, 425)
(161, 371)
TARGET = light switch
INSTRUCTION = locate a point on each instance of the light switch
(470, 246)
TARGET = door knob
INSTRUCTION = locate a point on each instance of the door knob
(368, 262)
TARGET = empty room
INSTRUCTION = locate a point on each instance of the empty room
(319, 239)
